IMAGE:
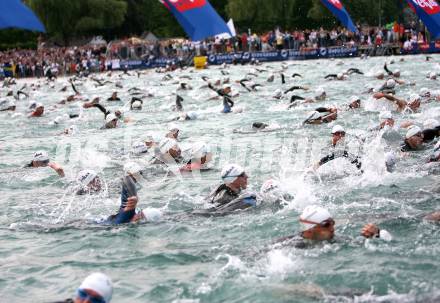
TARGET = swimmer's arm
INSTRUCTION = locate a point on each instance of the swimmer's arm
(385, 67)
(56, 167)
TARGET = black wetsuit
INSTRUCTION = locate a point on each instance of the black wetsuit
(339, 154)
(428, 136)
(227, 101)
(128, 190)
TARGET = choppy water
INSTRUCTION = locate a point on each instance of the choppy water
(48, 246)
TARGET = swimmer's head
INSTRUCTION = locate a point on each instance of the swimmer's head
(87, 178)
(320, 94)
(170, 146)
(139, 148)
(111, 121)
(95, 284)
(278, 93)
(192, 115)
(414, 137)
(234, 175)
(414, 102)
(355, 102)
(41, 158)
(200, 151)
(136, 105)
(424, 92)
(317, 223)
(391, 83)
(396, 73)
(133, 170)
(227, 88)
(173, 131)
(379, 75)
(432, 75)
(151, 215)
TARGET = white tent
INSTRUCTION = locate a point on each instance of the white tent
(231, 27)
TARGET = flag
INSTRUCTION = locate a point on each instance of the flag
(336, 7)
(14, 14)
(429, 12)
(197, 17)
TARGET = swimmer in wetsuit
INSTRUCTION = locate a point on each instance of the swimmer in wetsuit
(227, 101)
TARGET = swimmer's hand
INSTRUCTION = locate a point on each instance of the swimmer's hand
(370, 230)
(56, 167)
(131, 203)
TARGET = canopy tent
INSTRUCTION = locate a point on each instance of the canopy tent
(150, 37)
(198, 18)
(14, 14)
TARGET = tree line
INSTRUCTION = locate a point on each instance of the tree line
(67, 21)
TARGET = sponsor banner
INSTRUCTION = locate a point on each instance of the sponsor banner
(283, 55)
(423, 48)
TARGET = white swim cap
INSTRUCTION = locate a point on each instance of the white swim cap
(110, 118)
(413, 98)
(378, 74)
(192, 115)
(152, 214)
(173, 127)
(199, 150)
(320, 91)
(397, 71)
(58, 120)
(166, 144)
(340, 75)
(39, 105)
(354, 99)
(312, 216)
(133, 169)
(269, 186)
(391, 83)
(73, 129)
(432, 75)
(424, 91)
(412, 131)
(139, 148)
(225, 86)
(5, 104)
(385, 115)
(137, 104)
(278, 93)
(99, 283)
(231, 172)
(86, 176)
(431, 123)
(41, 156)
(32, 103)
(337, 129)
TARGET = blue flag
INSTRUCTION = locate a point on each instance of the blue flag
(14, 14)
(336, 7)
(197, 17)
(429, 12)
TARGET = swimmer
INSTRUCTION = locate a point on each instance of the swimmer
(226, 197)
(186, 116)
(278, 94)
(295, 87)
(173, 132)
(129, 199)
(168, 152)
(136, 104)
(318, 225)
(96, 288)
(7, 105)
(225, 93)
(432, 76)
(252, 87)
(338, 136)
(296, 75)
(114, 97)
(89, 182)
(111, 121)
(322, 115)
(294, 101)
(351, 71)
(355, 102)
(415, 138)
(39, 110)
(272, 193)
(395, 74)
(386, 121)
(178, 107)
(413, 104)
(339, 77)
(41, 159)
(201, 157)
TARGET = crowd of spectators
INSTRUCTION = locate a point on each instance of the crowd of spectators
(62, 61)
